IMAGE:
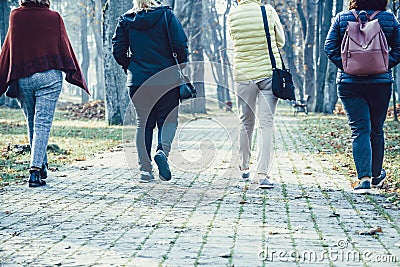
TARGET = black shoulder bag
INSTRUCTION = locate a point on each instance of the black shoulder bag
(186, 88)
(282, 83)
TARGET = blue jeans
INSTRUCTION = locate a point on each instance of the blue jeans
(366, 106)
(154, 106)
(38, 96)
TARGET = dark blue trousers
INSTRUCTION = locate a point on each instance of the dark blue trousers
(366, 106)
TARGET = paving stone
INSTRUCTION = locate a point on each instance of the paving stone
(205, 215)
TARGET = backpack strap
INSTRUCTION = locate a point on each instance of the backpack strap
(376, 12)
(369, 17)
(355, 14)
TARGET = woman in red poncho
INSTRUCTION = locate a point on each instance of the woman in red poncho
(34, 54)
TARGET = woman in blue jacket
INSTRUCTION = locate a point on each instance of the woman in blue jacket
(141, 46)
(366, 98)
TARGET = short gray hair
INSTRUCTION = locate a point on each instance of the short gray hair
(40, 2)
(140, 5)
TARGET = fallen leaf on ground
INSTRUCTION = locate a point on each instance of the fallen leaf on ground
(302, 196)
(372, 231)
(225, 255)
(387, 206)
(273, 233)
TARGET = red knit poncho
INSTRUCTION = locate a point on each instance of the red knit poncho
(37, 41)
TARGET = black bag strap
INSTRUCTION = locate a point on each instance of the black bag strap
(268, 35)
(174, 54)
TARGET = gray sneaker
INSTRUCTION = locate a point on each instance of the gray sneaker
(265, 183)
(146, 177)
(378, 181)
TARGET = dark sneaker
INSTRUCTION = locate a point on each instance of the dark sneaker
(245, 174)
(146, 177)
(363, 187)
(163, 168)
(43, 171)
(378, 181)
(265, 183)
(35, 180)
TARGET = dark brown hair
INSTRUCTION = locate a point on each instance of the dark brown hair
(368, 4)
(40, 2)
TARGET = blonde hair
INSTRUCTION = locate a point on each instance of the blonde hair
(139, 5)
(40, 2)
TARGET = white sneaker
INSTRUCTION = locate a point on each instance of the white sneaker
(265, 183)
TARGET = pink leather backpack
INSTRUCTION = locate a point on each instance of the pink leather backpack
(364, 48)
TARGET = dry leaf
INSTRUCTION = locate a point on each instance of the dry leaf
(225, 255)
(372, 231)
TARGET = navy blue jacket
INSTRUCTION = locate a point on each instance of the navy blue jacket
(391, 29)
(141, 45)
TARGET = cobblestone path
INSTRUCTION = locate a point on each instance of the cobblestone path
(96, 213)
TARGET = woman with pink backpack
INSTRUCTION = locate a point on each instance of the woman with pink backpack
(364, 52)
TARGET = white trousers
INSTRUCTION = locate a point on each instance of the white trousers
(256, 98)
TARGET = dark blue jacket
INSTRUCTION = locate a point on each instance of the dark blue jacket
(141, 45)
(391, 29)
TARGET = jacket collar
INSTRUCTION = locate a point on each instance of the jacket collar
(32, 4)
(243, 2)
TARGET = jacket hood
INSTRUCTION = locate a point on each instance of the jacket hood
(144, 20)
(249, 1)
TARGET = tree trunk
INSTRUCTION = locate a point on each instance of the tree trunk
(170, 3)
(85, 48)
(309, 60)
(225, 59)
(4, 19)
(326, 9)
(398, 83)
(97, 31)
(331, 90)
(197, 56)
(394, 94)
(293, 60)
(117, 98)
(214, 43)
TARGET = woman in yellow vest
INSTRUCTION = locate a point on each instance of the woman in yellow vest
(253, 82)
